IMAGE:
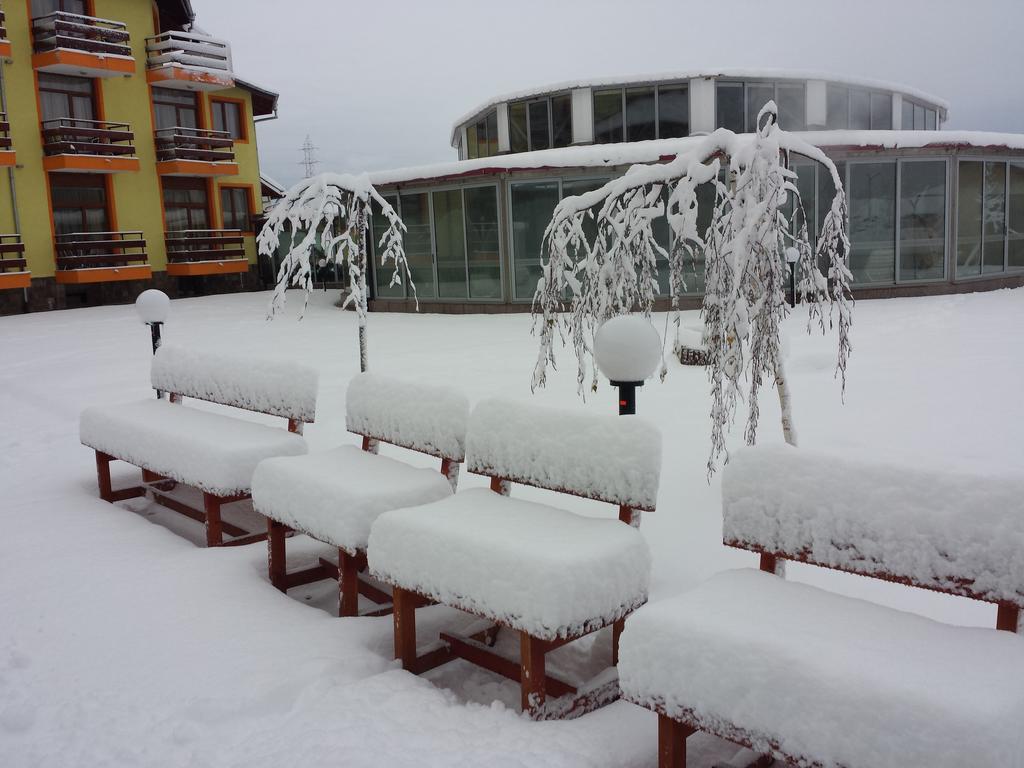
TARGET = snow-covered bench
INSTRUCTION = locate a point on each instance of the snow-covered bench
(335, 496)
(211, 451)
(815, 678)
(550, 575)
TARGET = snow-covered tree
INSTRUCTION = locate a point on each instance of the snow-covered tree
(757, 217)
(330, 214)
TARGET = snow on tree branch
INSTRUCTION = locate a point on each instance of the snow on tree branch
(330, 213)
(602, 253)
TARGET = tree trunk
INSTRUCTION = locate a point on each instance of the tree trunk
(785, 404)
(362, 346)
(361, 309)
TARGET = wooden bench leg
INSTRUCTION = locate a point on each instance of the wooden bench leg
(276, 558)
(617, 628)
(348, 584)
(214, 529)
(532, 675)
(405, 628)
(103, 476)
(672, 736)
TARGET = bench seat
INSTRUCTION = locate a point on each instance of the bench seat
(335, 496)
(528, 566)
(211, 451)
(818, 678)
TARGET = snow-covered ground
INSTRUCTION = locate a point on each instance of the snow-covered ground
(122, 643)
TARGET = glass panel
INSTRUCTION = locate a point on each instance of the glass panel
(491, 124)
(673, 112)
(873, 222)
(807, 186)
(1016, 222)
(826, 193)
(908, 116)
(418, 251)
(540, 137)
(881, 112)
(968, 220)
(232, 119)
(517, 138)
(451, 245)
(758, 94)
(994, 221)
(922, 220)
(81, 108)
(931, 120)
(792, 107)
(918, 117)
(532, 207)
(860, 109)
(693, 269)
(663, 237)
(482, 237)
(96, 220)
(640, 114)
(838, 115)
(472, 147)
(607, 117)
(729, 106)
(55, 105)
(67, 220)
(561, 118)
(382, 275)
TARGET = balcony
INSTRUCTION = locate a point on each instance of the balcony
(189, 61)
(13, 271)
(101, 257)
(69, 44)
(195, 152)
(5, 44)
(195, 252)
(88, 146)
(7, 158)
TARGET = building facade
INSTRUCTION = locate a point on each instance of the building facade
(129, 150)
(931, 210)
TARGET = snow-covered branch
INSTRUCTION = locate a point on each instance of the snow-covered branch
(602, 255)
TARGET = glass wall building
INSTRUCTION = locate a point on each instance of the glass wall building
(931, 210)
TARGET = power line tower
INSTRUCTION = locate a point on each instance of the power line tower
(309, 161)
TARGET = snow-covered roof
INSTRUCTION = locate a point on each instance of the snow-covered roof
(272, 185)
(627, 153)
(725, 72)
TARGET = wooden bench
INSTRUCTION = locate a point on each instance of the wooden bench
(335, 496)
(212, 451)
(813, 678)
(550, 575)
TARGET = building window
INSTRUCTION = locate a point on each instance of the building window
(228, 116)
(540, 130)
(641, 113)
(451, 244)
(922, 242)
(175, 109)
(837, 114)
(482, 136)
(540, 123)
(235, 209)
(608, 116)
(63, 96)
(641, 122)
(46, 7)
(419, 251)
(561, 120)
(1015, 220)
(79, 203)
(382, 275)
(186, 203)
(519, 140)
(872, 191)
(673, 111)
(533, 204)
(483, 242)
(738, 104)
(881, 112)
(990, 199)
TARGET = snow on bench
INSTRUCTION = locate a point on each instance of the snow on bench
(335, 496)
(549, 574)
(811, 677)
(214, 452)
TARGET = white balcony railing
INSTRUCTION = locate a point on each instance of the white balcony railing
(189, 49)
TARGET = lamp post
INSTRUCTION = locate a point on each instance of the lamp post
(152, 307)
(792, 257)
(627, 349)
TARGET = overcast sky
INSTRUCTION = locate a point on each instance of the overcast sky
(378, 84)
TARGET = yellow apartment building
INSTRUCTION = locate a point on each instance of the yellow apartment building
(129, 150)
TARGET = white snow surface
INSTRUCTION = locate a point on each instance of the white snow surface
(424, 417)
(211, 451)
(604, 456)
(948, 530)
(335, 496)
(531, 566)
(732, 73)
(827, 677)
(209, 665)
(278, 387)
(615, 156)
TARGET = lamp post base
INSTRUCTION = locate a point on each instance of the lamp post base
(627, 396)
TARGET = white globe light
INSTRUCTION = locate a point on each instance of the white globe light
(152, 306)
(627, 349)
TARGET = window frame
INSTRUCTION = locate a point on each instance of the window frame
(1007, 162)
(250, 208)
(155, 100)
(82, 180)
(243, 121)
(547, 98)
(181, 182)
(655, 86)
(95, 101)
(729, 82)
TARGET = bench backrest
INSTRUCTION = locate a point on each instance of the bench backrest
(953, 533)
(275, 387)
(609, 458)
(426, 418)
